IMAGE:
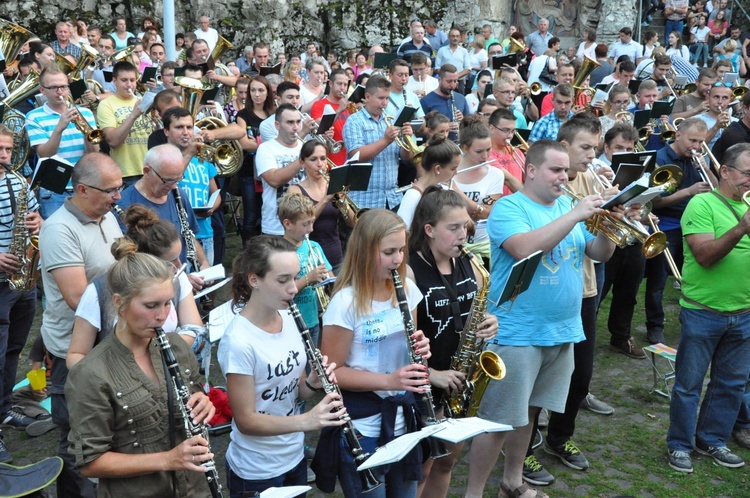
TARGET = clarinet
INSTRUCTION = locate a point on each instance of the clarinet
(187, 234)
(453, 115)
(182, 392)
(368, 479)
(118, 212)
(437, 447)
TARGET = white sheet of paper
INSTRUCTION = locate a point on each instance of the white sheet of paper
(218, 321)
(456, 430)
(214, 273)
(214, 287)
(211, 201)
(398, 448)
(285, 492)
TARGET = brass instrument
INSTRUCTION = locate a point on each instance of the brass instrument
(345, 204)
(315, 259)
(330, 164)
(93, 135)
(739, 92)
(533, 89)
(222, 45)
(516, 46)
(513, 154)
(192, 91)
(367, 478)
(668, 177)
(16, 121)
(625, 117)
(698, 163)
(182, 394)
(524, 144)
(725, 125)
(620, 232)
(478, 367)
(12, 38)
(407, 142)
(587, 67)
(437, 447)
(670, 133)
(666, 81)
(227, 155)
(689, 88)
(23, 245)
(333, 146)
(746, 197)
(122, 54)
(667, 253)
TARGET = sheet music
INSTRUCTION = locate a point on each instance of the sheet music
(398, 448)
(209, 290)
(214, 273)
(456, 430)
(218, 321)
(285, 492)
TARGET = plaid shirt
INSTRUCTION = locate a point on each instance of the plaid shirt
(362, 129)
(547, 127)
(71, 49)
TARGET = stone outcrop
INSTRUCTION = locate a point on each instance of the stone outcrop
(335, 24)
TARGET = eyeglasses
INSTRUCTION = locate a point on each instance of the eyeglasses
(167, 182)
(108, 191)
(504, 131)
(722, 83)
(56, 89)
(746, 173)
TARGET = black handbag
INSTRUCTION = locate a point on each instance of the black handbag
(546, 76)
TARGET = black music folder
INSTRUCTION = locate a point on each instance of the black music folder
(52, 173)
(519, 279)
(500, 61)
(357, 95)
(662, 108)
(353, 176)
(524, 134)
(266, 70)
(383, 60)
(77, 89)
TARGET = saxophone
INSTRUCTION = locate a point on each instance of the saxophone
(187, 234)
(24, 245)
(437, 447)
(367, 478)
(477, 366)
(182, 392)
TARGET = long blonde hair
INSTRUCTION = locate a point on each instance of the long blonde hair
(361, 260)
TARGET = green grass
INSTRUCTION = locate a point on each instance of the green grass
(627, 450)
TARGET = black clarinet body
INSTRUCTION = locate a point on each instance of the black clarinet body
(368, 479)
(437, 447)
(182, 392)
(187, 233)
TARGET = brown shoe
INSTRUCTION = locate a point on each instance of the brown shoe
(628, 348)
(742, 436)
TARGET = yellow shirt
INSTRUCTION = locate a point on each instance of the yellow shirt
(111, 113)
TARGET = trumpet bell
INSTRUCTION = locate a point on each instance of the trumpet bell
(192, 91)
(739, 92)
(689, 88)
(535, 88)
(668, 135)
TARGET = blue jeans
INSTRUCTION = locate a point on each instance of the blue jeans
(251, 204)
(724, 342)
(49, 201)
(392, 476)
(239, 487)
(697, 50)
(16, 315)
(670, 26)
(657, 270)
(208, 248)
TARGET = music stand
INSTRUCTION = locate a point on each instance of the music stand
(519, 279)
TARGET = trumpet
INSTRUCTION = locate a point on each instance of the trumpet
(93, 135)
(621, 233)
(331, 145)
(315, 259)
(329, 163)
(407, 142)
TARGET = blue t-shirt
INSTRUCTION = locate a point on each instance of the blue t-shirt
(307, 299)
(434, 102)
(549, 312)
(166, 211)
(198, 174)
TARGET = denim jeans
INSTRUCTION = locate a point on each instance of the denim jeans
(724, 343)
(657, 270)
(49, 201)
(392, 476)
(16, 315)
(251, 205)
(208, 248)
(562, 425)
(698, 50)
(623, 274)
(670, 26)
(239, 487)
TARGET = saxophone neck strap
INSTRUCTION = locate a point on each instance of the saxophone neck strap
(11, 194)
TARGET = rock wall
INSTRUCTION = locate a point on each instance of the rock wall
(338, 25)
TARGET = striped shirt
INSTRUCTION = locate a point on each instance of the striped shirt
(362, 129)
(41, 122)
(7, 213)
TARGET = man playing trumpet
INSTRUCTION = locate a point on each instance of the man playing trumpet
(717, 116)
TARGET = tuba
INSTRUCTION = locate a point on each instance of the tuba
(16, 121)
(12, 38)
(192, 92)
(23, 245)
(479, 367)
(226, 155)
(587, 67)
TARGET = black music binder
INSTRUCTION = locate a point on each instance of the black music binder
(53, 173)
(353, 176)
(519, 279)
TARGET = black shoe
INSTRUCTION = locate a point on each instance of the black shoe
(569, 454)
(655, 336)
(722, 456)
(14, 420)
(535, 474)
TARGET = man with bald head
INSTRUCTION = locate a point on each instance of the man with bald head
(75, 249)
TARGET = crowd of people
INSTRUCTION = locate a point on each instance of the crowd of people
(479, 177)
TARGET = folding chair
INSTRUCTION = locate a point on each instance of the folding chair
(234, 204)
(664, 374)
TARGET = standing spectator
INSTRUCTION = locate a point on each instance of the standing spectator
(650, 42)
(604, 69)
(456, 55)
(539, 39)
(715, 320)
(436, 38)
(588, 46)
(206, 32)
(626, 46)
(489, 35)
(720, 6)
(62, 45)
(417, 44)
(675, 11)
(121, 34)
(148, 24)
(245, 62)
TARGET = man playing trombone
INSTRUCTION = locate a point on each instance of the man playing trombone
(683, 153)
(715, 318)
(509, 158)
